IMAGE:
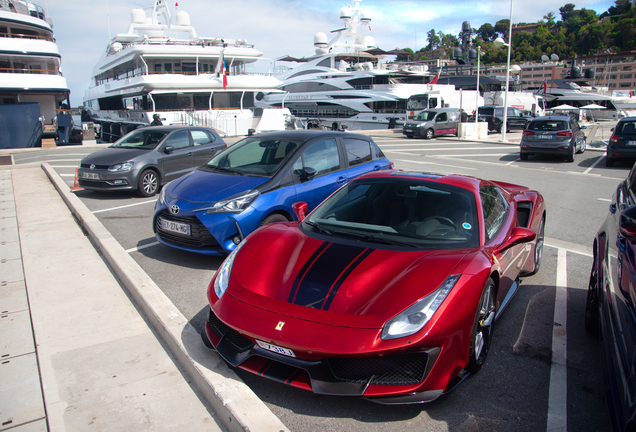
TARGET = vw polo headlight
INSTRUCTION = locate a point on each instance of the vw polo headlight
(121, 167)
(236, 204)
(414, 318)
(222, 280)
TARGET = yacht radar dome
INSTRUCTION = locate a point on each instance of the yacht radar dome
(320, 40)
(183, 18)
(345, 13)
(138, 16)
(369, 42)
(365, 17)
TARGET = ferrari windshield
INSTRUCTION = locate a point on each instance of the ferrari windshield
(144, 139)
(400, 211)
(254, 156)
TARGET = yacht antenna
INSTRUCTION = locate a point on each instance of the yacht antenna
(108, 19)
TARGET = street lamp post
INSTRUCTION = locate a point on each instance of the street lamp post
(499, 42)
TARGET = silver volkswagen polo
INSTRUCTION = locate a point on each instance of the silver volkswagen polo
(147, 158)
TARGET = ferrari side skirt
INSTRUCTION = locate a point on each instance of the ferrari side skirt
(511, 292)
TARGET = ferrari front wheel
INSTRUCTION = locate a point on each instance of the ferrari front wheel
(482, 328)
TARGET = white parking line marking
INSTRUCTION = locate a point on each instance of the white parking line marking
(603, 199)
(557, 399)
(449, 149)
(593, 165)
(436, 164)
(138, 248)
(121, 207)
(66, 175)
(64, 166)
(401, 152)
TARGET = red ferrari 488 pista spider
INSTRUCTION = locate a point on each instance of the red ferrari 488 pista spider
(388, 290)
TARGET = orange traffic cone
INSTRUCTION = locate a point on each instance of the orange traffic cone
(76, 186)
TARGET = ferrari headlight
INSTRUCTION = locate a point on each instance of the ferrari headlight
(414, 318)
(236, 204)
(121, 167)
(222, 280)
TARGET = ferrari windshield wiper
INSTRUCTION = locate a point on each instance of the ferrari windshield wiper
(374, 239)
(318, 227)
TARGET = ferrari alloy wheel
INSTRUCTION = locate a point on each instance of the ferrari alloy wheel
(429, 134)
(482, 328)
(148, 183)
(592, 314)
(538, 247)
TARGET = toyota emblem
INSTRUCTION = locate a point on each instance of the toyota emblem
(92, 166)
(174, 209)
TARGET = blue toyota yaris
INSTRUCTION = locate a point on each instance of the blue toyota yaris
(255, 182)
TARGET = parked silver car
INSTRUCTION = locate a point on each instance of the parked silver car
(556, 135)
(433, 122)
(146, 158)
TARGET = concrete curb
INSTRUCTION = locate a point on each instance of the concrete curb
(234, 403)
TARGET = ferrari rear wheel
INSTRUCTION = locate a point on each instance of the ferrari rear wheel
(482, 328)
(592, 314)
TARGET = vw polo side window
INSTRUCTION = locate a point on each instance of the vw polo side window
(178, 140)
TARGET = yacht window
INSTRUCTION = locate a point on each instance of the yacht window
(168, 67)
(307, 72)
(325, 63)
(177, 67)
(308, 87)
(189, 68)
(158, 68)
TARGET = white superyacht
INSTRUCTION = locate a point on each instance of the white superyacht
(32, 89)
(346, 83)
(164, 67)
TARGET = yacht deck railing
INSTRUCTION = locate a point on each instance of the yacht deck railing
(23, 7)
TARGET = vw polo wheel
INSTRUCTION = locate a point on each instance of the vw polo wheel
(148, 183)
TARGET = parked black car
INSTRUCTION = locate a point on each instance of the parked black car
(610, 310)
(146, 158)
(622, 143)
(494, 115)
(556, 135)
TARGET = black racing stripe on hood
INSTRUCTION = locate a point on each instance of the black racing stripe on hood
(345, 274)
(301, 274)
(316, 283)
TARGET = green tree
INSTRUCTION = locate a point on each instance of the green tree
(486, 32)
(621, 7)
(566, 11)
(433, 40)
(502, 27)
(549, 19)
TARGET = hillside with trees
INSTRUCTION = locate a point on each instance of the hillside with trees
(580, 32)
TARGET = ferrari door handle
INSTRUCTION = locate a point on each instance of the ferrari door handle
(621, 242)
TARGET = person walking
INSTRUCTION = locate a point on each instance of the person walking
(156, 120)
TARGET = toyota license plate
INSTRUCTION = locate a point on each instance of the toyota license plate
(177, 227)
(91, 176)
(275, 348)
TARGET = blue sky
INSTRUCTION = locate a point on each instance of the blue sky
(279, 27)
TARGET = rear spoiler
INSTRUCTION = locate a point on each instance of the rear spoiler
(510, 186)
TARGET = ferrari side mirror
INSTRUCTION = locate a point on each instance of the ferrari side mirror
(300, 210)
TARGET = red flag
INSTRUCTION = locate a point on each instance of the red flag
(176, 5)
(545, 87)
(434, 80)
(224, 71)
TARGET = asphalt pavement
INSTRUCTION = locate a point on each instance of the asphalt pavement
(89, 342)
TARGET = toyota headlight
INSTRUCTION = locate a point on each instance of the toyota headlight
(121, 167)
(222, 280)
(236, 204)
(414, 318)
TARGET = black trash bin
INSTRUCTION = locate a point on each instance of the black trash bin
(392, 122)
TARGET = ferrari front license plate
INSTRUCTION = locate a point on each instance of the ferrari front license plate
(92, 176)
(177, 227)
(275, 348)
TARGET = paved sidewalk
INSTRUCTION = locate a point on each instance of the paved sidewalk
(76, 354)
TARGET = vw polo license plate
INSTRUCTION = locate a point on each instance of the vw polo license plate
(275, 348)
(92, 176)
(177, 227)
